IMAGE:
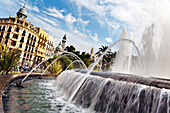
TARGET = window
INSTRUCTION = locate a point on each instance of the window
(24, 54)
(32, 50)
(2, 35)
(6, 41)
(17, 29)
(34, 44)
(13, 43)
(29, 49)
(8, 35)
(35, 39)
(3, 29)
(32, 37)
(20, 45)
(22, 39)
(15, 36)
(23, 34)
(26, 48)
(29, 35)
(9, 30)
(27, 41)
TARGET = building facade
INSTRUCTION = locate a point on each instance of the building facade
(16, 33)
(32, 42)
(40, 51)
(50, 46)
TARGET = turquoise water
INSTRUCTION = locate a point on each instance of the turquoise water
(38, 96)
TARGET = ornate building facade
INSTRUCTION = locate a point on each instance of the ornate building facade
(16, 33)
(40, 51)
(50, 46)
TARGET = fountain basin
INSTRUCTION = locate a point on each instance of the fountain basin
(6, 80)
(110, 92)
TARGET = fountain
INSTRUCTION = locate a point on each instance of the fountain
(67, 53)
(137, 82)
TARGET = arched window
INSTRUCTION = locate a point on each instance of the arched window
(9, 30)
(22, 39)
(3, 29)
(17, 29)
(29, 35)
(20, 45)
(24, 32)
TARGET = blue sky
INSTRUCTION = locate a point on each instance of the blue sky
(87, 23)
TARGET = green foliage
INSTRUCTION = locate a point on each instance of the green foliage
(85, 57)
(8, 59)
(108, 58)
(55, 68)
(60, 65)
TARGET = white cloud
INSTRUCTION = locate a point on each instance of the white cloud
(82, 21)
(109, 40)
(33, 8)
(70, 19)
(94, 37)
(56, 13)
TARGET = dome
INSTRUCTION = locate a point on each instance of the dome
(22, 11)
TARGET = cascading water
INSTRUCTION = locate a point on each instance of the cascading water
(92, 67)
(106, 95)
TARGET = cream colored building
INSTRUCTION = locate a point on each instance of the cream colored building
(50, 46)
(16, 33)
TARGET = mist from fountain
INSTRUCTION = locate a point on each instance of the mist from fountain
(154, 44)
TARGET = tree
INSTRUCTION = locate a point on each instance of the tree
(55, 68)
(58, 66)
(85, 57)
(70, 49)
(8, 59)
(107, 59)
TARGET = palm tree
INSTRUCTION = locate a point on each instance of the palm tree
(105, 61)
(102, 50)
(8, 59)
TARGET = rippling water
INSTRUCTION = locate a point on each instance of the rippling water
(38, 96)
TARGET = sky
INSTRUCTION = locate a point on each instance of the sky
(87, 23)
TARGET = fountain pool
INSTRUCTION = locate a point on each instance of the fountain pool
(37, 96)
